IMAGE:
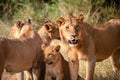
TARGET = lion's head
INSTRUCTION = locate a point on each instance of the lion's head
(72, 29)
(49, 31)
(15, 31)
(26, 30)
(51, 53)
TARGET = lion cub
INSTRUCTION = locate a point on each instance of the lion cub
(56, 66)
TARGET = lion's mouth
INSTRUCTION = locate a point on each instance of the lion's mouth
(73, 42)
(59, 38)
(49, 63)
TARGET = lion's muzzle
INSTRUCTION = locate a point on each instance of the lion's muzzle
(48, 62)
(73, 42)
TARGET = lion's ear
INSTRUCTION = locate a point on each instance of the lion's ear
(18, 24)
(80, 18)
(48, 27)
(57, 48)
(60, 21)
(43, 46)
(29, 21)
(47, 21)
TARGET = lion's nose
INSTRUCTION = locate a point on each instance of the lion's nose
(73, 36)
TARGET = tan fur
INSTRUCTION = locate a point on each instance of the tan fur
(88, 43)
(48, 31)
(21, 54)
(15, 31)
(57, 67)
(15, 34)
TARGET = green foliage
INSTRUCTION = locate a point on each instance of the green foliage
(103, 10)
(96, 12)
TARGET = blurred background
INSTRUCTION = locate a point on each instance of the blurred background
(96, 12)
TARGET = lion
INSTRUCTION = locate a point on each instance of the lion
(15, 31)
(20, 54)
(87, 43)
(14, 34)
(57, 68)
(47, 32)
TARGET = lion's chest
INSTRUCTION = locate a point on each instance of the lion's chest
(52, 71)
(75, 54)
(82, 56)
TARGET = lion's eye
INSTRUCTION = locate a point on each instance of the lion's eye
(49, 55)
(77, 28)
(67, 27)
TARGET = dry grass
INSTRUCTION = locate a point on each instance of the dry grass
(103, 70)
(4, 28)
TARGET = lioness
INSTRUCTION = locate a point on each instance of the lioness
(14, 34)
(87, 43)
(57, 68)
(47, 32)
(15, 31)
(20, 54)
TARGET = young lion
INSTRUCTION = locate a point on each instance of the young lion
(56, 66)
(87, 43)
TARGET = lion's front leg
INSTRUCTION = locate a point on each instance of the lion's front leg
(115, 59)
(1, 71)
(48, 76)
(74, 66)
(20, 76)
(59, 77)
(38, 71)
(90, 67)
